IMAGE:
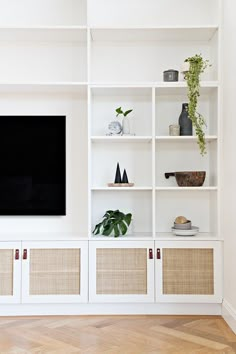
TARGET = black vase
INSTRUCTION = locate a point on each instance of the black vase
(186, 127)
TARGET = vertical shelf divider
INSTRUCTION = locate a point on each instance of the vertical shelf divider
(89, 118)
(153, 161)
(88, 55)
(89, 163)
(89, 127)
(219, 122)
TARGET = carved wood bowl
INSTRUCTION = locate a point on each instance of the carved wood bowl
(188, 178)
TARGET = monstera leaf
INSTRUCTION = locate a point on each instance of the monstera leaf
(113, 221)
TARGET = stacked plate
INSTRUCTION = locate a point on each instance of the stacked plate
(184, 228)
(191, 232)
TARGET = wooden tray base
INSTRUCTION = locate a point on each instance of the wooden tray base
(120, 184)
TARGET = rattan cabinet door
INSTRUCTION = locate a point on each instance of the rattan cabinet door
(188, 271)
(123, 272)
(10, 272)
(55, 271)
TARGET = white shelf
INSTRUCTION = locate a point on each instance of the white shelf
(46, 87)
(119, 85)
(180, 87)
(180, 84)
(42, 236)
(161, 86)
(77, 86)
(78, 33)
(181, 139)
(131, 34)
(203, 236)
(196, 189)
(44, 34)
(121, 139)
(160, 236)
(121, 189)
(114, 90)
(136, 236)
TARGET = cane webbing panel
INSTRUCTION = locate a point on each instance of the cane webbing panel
(6, 272)
(54, 271)
(188, 271)
(121, 271)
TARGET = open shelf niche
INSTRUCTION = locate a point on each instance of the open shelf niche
(198, 206)
(27, 13)
(141, 55)
(165, 13)
(44, 55)
(105, 100)
(138, 203)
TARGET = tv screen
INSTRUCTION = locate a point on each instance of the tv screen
(32, 165)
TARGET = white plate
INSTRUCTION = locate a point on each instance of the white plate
(191, 232)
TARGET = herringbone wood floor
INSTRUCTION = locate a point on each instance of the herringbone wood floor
(116, 334)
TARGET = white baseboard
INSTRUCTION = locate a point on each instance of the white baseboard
(229, 315)
(109, 309)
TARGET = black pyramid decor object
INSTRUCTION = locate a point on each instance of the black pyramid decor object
(125, 177)
(118, 175)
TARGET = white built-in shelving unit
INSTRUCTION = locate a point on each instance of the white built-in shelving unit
(83, 59)
(95, 57)
(126, 68)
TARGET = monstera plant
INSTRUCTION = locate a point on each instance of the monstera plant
(113, 221)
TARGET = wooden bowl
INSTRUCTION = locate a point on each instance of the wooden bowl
(188, 178)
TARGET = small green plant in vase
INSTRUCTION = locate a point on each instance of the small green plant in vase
(197, 65)
(113, 221)
(125, 121)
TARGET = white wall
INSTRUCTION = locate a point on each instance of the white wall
(229, 159)
(150, 13)
(42, 12)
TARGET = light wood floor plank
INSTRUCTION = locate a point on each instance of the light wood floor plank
(190, 338)
(116, 335)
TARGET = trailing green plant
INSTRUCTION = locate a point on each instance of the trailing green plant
(197, 66)
(113, 221)
(119, 111)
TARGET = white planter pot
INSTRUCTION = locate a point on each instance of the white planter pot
(185, 67)
(125, 126)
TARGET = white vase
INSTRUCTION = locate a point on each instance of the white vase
(125, 126)
(185, 68)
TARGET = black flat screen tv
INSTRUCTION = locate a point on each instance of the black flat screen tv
(32, 165)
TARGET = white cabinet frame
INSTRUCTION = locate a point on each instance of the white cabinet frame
(217, 269)
(83, 297)
(16, 248)
(129, 298)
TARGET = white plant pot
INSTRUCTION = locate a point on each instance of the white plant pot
(125, 126)
(185, 67)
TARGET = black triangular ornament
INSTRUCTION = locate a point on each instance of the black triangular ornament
(125, 177)
(118, 175)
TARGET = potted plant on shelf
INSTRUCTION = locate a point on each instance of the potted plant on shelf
(114, 221)
(125, 121)
(193, 68)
